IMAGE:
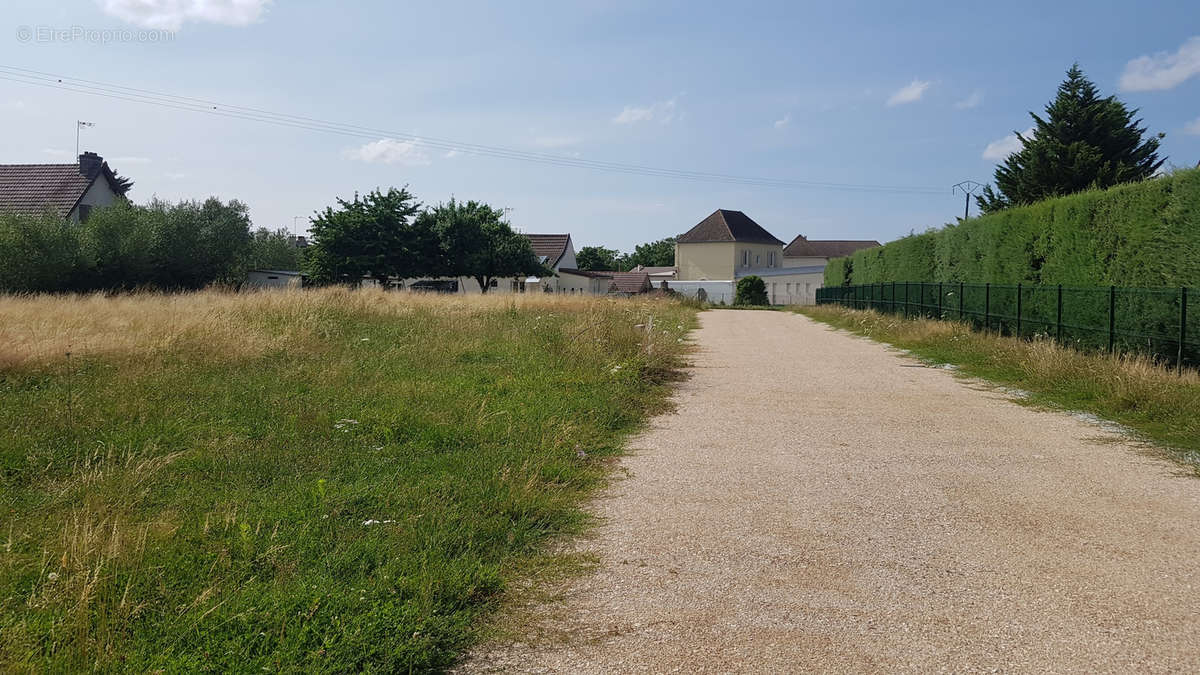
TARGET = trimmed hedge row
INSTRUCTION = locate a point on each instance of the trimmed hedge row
(1143, 234)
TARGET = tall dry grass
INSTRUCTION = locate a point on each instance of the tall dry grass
(1128, 388)
(39, 330)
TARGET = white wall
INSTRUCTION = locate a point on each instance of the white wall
(800, 261)
(716, 290)
(264, 279)
(97, 195)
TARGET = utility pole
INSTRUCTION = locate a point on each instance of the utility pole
(79, 124)
(969, 188)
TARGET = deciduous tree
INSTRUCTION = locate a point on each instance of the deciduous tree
(475, 241)
(373, 235)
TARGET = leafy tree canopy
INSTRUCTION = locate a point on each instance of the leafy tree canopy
(1084, 141)
(475, 241)
(659, 253)
(273, 250)
(372, 235)
(600, 259)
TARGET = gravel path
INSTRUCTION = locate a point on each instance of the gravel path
(819, 502)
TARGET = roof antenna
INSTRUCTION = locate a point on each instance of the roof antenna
(79, 124)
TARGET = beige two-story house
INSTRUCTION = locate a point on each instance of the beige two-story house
(729, 245)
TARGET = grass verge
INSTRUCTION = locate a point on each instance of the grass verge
(1158, 404)
(325, 481)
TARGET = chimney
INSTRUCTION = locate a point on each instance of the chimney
(89, 164)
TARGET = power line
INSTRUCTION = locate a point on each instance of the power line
(191, 104)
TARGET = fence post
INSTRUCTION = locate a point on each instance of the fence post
(961, 288)
(1018, 310)
(1182, 328)
(1058, 331)
(1112, 317)
(987, 306)
(906, 299)
(939, 301)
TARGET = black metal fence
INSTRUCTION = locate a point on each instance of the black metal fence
(1152, 321)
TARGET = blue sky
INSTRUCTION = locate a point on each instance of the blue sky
(894, 94)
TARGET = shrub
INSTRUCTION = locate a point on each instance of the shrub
(750, 290)
(187, 245)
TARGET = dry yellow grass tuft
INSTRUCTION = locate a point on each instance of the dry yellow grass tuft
(39, 330)
(1128, 388)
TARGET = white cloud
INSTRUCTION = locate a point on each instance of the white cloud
(555, 141)
(451, 154)
(175, 175)
(1001, 148)
(1162, 70)
(662, 112)
(57, 154)
(784, 121)
(129, 160)
(1192, 127)
(13, 105)
(971, 101)
(172, 14)
(909, 93)
(390, 151)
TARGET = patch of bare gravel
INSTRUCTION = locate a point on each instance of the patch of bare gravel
(817, 503)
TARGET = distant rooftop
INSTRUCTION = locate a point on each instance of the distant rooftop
(33, 189)
(802, 247)
(727, 225)
(549, 247)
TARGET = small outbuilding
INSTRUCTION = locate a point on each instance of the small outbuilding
(274, 279)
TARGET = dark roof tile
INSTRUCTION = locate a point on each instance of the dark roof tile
(825, 248)
(31, 189)
(549, 246)
(725, 225)
(630, 282)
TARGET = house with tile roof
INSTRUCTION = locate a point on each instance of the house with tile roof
(68, 191)
(557, 253)
(728, 245)
(803, 251)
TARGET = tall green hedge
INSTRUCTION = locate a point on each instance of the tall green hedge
(125, 246)
(1141, 234)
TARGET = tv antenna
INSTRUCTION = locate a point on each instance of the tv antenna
(969, 188)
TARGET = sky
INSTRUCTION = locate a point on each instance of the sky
(867, 96)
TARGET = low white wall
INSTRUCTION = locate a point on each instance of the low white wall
(716, 290)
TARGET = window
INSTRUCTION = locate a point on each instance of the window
(745, 258)
(85, 210)
(771, 259)
(756, 259)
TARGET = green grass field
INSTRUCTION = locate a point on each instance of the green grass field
(1154, 401)
(326, 481)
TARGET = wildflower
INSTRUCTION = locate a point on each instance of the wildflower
(53, 576)
(343, 425)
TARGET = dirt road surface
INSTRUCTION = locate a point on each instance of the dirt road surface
(819, 502)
